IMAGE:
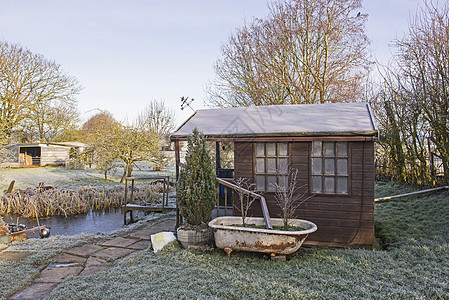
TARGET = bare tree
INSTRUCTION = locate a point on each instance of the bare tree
(53, 121)
(157, 117)
(245, 200)
(417, 99)
(116, 143)
(134, 144)
(289, 197)
(308, 51)
(100, 131)
(28, 80)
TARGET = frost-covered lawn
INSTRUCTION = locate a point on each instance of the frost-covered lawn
(63, 177)
(16, 275)
(415, 266)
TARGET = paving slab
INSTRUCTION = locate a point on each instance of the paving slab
(113, 253)
(57, 275)
(14, 255)
(119, 242)
(68, 258)
(35, 291)
(148, 230)
(142, 234)
(95, 261)
(140, 245)
(85, 250)
(95, 269)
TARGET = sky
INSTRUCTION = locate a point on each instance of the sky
(126, 53)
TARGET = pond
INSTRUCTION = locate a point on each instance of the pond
(91, 222)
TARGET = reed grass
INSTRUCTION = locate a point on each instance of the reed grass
(38, 202)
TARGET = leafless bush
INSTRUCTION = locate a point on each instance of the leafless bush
(245, 200)
(289, 198)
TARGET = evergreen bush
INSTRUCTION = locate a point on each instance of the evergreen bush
(197, 182)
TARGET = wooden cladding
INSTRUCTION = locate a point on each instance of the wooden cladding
(342, 219)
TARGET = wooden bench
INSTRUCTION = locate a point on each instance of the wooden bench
(129, 201)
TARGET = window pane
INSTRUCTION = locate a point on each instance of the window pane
(342, 185)
(283, 165)
(283, 149)
(317, 184)
(342, 149)
(316, 148)
(342, 166)
(329, 184)
(329, 149)
(260, 165)
(260, 149)
(283, 182)
(271, 149)
(271, 165)
(317, 167)
(260, 182)
(329, 166)
(271, 183)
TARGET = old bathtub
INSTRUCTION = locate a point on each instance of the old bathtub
(229, 235)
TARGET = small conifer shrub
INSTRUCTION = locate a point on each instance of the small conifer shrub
(196, 188)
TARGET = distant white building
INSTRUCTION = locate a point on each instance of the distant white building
(41, 154)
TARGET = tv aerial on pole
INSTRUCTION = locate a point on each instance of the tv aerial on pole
(186, 102)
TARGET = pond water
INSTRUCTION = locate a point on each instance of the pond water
(91, 222)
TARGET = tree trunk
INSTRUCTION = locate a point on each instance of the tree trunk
(127, 171)
(124, 174)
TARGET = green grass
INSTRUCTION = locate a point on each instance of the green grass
(415, 230)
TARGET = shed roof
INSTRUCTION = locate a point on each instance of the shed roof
(328, 119)
(57, 144)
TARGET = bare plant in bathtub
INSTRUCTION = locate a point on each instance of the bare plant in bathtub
(289, 197)
(231, 235)
(245, 200)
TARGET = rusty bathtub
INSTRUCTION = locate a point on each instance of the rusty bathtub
(228, 234)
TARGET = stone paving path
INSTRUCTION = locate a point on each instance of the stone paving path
(92, 258)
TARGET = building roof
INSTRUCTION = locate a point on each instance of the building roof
(282, 120)
(57, 144)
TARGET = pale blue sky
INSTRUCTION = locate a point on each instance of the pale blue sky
(127, 52)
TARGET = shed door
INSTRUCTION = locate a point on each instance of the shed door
(30, 156)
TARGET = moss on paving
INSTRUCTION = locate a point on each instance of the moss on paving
(415, 232)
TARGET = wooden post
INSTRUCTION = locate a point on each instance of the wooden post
(217, 156)
(218, 200)
(226, 200)
(132, 200)
(163, 196)
(11, 187)
(177, 163)
(126, 201)
(177, 159)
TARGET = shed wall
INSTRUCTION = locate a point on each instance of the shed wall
(54, 155)
(342, 220)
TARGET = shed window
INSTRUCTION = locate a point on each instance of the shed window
(271, 166)
(330, 167)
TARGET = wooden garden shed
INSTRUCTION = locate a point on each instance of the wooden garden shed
(332, 147)
(42, 154)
